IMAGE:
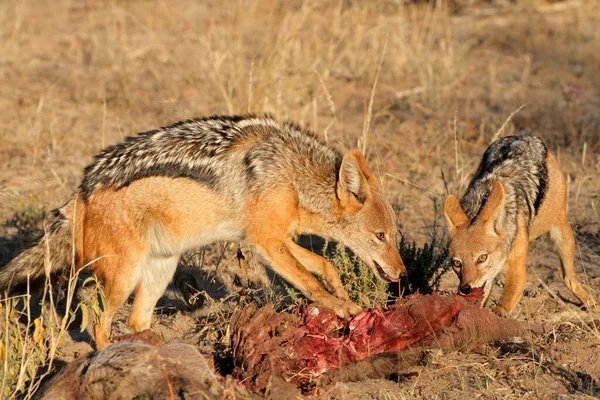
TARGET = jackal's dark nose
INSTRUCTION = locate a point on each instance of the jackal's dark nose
(464, 289)
(403, 274)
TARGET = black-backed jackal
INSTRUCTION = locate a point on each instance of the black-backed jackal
(144, 202)
(517, 194)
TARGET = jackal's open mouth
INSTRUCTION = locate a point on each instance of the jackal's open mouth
(384, 274)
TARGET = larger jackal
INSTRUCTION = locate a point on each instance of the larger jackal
(144, 202)
(517, 194)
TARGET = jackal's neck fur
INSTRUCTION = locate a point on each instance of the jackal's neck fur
(219, 150)
(519, 163)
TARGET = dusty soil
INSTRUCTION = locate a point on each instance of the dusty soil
(76, 76)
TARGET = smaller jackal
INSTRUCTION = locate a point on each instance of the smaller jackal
(144, 202)
(517, 194)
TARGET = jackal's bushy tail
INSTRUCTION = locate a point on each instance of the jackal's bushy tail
(53, 251)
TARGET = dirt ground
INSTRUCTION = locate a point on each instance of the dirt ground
(423, 89)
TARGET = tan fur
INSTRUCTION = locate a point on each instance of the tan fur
(470, 240)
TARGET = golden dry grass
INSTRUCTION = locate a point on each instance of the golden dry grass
(422, 89)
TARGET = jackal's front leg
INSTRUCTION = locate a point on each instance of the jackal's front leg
(285, 264)
(320, 266)
(268, 230)
(515, 274)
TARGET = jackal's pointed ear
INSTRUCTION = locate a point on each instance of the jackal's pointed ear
(455, 216)
(493, 204)
(364, 168)
(352, 185)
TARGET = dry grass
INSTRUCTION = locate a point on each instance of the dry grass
(423, 89)
(33, 330)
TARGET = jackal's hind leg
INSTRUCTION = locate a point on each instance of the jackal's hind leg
(157, 273)
(561, 235)
(116, 288)
(320, 266)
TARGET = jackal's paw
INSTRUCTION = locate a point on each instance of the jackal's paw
(342, 308)
(346, 309)
(501, 311)
(591, 304)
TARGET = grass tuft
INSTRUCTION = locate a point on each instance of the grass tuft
(360, 282)
(425, 266)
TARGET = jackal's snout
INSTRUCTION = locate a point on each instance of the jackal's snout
(397, 265)
(386, 261)
(393, 276)
(464, 289)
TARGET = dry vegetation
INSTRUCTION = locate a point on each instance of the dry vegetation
(422, 89)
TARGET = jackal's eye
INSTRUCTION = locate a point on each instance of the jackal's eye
(456, 263)
(482, 258)
(380, 236)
